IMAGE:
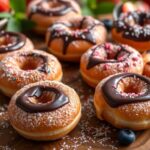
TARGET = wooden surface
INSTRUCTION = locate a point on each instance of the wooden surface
(90, 133)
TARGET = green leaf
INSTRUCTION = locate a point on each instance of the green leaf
(5, 15)
(103, 8)
(13, 25)
(27, 25)
(18, 5)
(92, 4)
(20, 15)
(86, 11)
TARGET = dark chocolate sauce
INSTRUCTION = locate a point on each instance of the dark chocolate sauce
(148, 51)
(77, 35)
(44, 67)
(96, 61)
(23, 102)
(67, 7)
(148, 63)
(115, 99)
(20, 41)
(137, 32)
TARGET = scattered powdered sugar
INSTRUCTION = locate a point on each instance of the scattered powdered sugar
(93, 133)
(6, 148)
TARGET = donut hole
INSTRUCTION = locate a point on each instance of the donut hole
(7, 40)
(109, 52)
(45, 97)
(51, 5)
(30, 63)
(131, 86)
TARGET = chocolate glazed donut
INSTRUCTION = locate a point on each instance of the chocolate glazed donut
(114, 99)
(19, 43)
(123, 100)
(95, 61)
(74, 36)
(46, 12)
(68, 38)
(106, 59)
(67, 7)
(133, 28)
(23, 100)
(46, 110)
(13, 41)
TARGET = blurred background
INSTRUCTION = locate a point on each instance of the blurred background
(15, 10)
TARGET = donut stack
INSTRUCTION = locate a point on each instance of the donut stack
(43, 108)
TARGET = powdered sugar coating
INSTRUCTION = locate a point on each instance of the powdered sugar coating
(14, 76)
(45, 121)
(131, 63)
(134, 25)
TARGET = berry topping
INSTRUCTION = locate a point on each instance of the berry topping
(126, 137)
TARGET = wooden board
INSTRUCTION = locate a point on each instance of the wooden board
(90, 133)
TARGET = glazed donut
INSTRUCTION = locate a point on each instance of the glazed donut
(45, 110)
(12, 41)
(106, 59)
(124, 101)
(25, 67)
(46, 12)
(133, 28)
(146, 58)
(68, 40)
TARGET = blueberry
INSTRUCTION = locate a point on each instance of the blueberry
(126, 137)
(108, 24)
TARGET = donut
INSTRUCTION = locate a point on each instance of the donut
(25, 67)
(68, 40)
(46, 12)
(106, 59)
(46, 110)
(13, 41)
(123, 100)
(146, 58)
(133, 28)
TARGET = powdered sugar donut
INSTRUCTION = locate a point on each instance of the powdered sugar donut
(25, 67)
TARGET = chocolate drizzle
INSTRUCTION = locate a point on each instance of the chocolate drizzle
(69, 37)
(148, 51)
(44, 67)
(23, 102)
(93, 61)
(67, 7)
(132, 25)
(115, 99)
(20, 41)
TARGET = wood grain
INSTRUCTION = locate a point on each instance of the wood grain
(90, 133)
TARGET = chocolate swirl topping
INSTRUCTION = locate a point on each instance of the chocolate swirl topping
(115, 99)
(67, 7)
(44, 67)
(23, 102)
(93, 61)
(68, 37)
(134, 25)
(148, 51)
(19, 41)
